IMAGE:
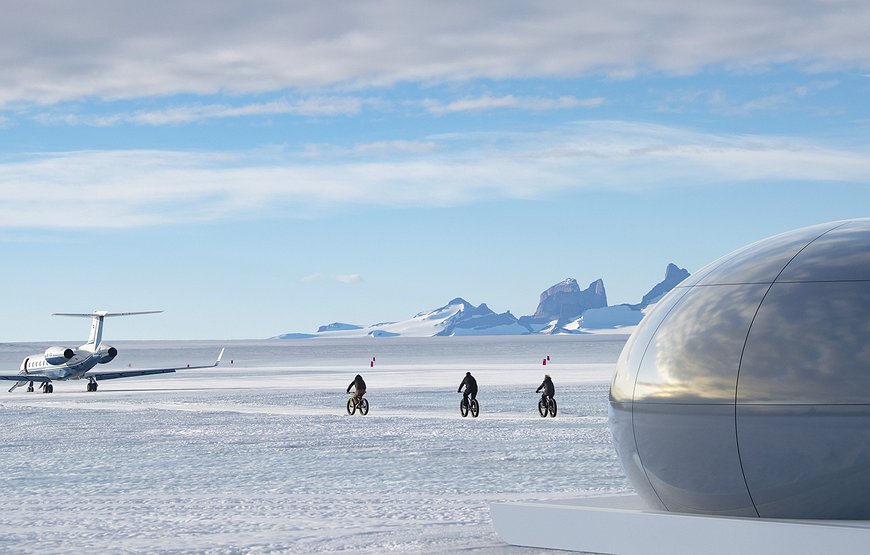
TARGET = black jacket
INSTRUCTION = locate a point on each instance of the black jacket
(470, 384)
(548, 387)
(357, 382)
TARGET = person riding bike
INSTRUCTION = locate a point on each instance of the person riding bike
(360, 386)
(548, 387)
(470, 385)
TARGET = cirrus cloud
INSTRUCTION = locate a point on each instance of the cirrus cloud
(510, 101)
(341, 278)
(133, 188)
(191, 113)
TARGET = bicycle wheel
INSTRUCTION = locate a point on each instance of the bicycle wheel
(475, 408)
(553, 408)
(542, 407)
(463, 408)
(351, 408)
(363, 406)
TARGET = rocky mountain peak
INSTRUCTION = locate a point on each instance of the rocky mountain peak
(673, 276)
(565, 300)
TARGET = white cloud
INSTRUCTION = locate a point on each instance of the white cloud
(52, 50)
(329, 106)
(721, 103)
(370, 150)
(510, 101)
(343, 278)
(142, 187)
(394, 147)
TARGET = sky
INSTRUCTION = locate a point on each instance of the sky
(264, 167)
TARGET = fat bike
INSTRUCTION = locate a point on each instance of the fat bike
(362, 404)
(547, 405)
(470, 406)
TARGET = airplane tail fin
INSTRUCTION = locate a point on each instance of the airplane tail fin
(96, 335)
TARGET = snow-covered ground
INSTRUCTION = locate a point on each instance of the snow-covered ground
(259, 456)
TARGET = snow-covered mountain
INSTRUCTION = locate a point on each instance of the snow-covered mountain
(458, 317)
(621, 318)
(564, 308)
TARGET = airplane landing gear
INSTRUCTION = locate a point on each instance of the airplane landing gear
(30, 388)
(92, 385)
(46, 387)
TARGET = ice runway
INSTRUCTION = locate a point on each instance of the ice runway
(262, 458)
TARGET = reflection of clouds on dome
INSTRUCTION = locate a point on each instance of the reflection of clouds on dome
(622, 386)
(778, 331)
(841, 255)
(809, 344)
(695, 354)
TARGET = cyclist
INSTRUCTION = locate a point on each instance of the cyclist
(548, 387)
(470, 387)
(360, 386)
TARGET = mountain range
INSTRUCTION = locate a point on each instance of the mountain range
(564, 308)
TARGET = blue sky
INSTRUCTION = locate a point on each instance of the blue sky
(265, 167)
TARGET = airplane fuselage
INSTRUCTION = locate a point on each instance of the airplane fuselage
(84, 359)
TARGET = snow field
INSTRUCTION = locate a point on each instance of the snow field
(189, 463)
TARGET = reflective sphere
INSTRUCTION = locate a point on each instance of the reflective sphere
(746, 390)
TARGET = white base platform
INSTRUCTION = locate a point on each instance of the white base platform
(622, 526)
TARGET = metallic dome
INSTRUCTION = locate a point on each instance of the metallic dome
(746, 390)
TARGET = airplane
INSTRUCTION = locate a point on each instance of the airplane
(63, 363)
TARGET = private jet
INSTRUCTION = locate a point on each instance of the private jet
(64, 363)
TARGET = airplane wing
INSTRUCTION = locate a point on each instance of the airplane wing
(25, 378)
(99, 376)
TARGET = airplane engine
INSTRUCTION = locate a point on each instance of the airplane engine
(58, 355)
(107, 354)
